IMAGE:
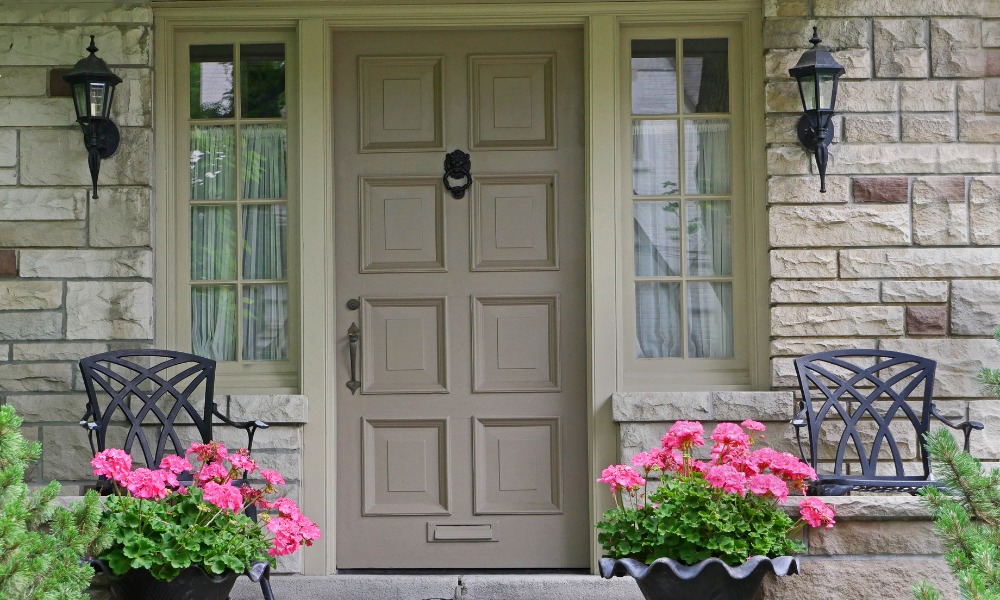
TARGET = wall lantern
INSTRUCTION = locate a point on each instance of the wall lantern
(818, 75)
(93, 86)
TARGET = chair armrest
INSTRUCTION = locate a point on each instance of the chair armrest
(798, 422)
(965, 426)
(250, 427)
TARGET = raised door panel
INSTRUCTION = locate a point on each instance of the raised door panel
(405, 467)
(401, 103)
(515, 344)
(513, 99)
(518, 468)
(514, 223)
(402, 225)
(405, 346)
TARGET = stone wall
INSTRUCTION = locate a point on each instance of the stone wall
(903, 251)
(75, 272)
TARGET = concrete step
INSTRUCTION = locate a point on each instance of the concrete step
(442, 587)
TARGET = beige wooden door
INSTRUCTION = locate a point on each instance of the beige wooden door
(465, 445)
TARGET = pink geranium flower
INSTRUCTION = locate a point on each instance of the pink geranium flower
(768, 485)
(224, 496)
(753, 425)
(242, 462)
(815, 512)
(112, 463)
(175, 464)
(622, 477)
(684, 435)
(272, 477)
(213, 472)
(147, 484)
(654, 460)
(727, 478)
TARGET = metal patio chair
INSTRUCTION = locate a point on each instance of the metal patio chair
(856, 406)
(151, 394)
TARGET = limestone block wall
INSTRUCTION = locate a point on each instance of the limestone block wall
(903, 251)
(75, 272)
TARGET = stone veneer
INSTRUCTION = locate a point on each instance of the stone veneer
(903, 251)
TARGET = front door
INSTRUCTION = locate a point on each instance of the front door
(465, 444)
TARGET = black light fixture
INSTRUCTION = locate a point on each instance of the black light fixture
(818, 75)
(93, 86)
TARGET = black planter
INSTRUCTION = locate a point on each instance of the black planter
(190, 584)
(711, 579)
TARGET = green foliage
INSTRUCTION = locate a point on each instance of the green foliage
(169, 536)
(41, 545)
(966, 517)
(687, 520)
(990, 378)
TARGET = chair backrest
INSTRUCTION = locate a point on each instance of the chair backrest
(857, 404)
(149, 393)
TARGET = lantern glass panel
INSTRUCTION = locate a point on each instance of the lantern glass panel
(98, 92)
(807, 85)
(80, 99)
(826, 81)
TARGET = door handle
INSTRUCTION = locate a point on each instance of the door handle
(353, 335)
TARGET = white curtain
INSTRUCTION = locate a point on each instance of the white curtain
(263, 243)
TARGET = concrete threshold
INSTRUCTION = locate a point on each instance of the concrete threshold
(442, 587)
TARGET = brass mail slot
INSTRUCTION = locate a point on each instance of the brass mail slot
(463, 532)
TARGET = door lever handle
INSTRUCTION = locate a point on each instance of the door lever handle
(353, 335)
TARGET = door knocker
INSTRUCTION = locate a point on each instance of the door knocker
(457, 173)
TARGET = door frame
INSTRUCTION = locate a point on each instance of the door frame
(314, 25)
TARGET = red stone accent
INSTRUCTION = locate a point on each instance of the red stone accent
(8, 263)
(926, 320)
(949, 189)
(881, 189)
(992, 62)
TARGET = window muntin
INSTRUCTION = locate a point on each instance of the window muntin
(238, 208)
(682, 199)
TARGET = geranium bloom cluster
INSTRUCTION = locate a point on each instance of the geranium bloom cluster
(734, 467)
(218, 478)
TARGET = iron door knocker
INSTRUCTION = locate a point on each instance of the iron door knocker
(457, 167)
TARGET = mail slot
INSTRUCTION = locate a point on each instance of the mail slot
(463, 532)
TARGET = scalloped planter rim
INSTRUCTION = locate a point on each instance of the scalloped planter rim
(711, 579)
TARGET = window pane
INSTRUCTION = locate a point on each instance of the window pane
(654, 158)
(213, 321)
(213, 243)
(262, 80)
(707, 157)
(657, 320)
(706, 75)
(710, 319)
(211, 82)
(213, 173)
(657, 238)
(654, 77)
(710, 250)
(265, 241)
(265, 322)
(264, 158)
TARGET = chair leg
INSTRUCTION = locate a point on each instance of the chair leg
(265, 587)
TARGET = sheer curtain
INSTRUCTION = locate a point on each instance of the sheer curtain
(263, 243)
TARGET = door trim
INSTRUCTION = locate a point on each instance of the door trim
(314, 23)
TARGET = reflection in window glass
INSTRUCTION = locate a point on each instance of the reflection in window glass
(213, 321)
(211, 81)
(709, 246)
(707, 154)
(710, 319)
(213, 165)
(264, 160)
(706, 75)
(657, 238)
(655, 154)
(265, 241)
(265, 322)
(654, 77)
(262, 81)
(213, 243)
(658, 319)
